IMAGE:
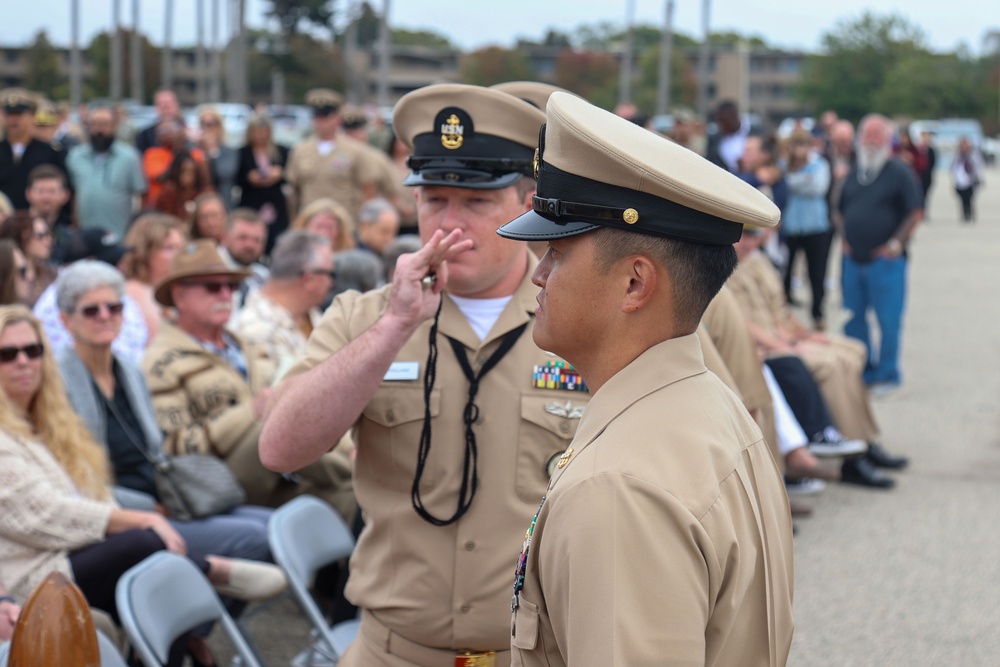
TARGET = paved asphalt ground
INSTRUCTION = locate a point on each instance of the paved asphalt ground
(909, 577)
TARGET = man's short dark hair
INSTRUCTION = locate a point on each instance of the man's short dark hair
(697, 270)
(244, 214)
(46, 172)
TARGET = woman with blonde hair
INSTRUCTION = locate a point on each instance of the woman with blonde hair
(261, 175)
(58, 513)
(154, 239)
(223, 161)
(328, 218)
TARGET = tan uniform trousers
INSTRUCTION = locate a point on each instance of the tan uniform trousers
(378, 646)
(837, 368)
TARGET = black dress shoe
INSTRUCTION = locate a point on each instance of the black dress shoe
(863, 472)
(884, 459)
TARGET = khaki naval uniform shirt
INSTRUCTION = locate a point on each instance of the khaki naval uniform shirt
(666, 537)
(836, 366)
(341, 174)
(448, 587)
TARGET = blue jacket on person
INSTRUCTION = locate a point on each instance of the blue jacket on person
(807, 211)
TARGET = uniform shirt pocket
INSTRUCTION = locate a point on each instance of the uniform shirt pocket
(390, 429)
(548, 424)
(524, 626)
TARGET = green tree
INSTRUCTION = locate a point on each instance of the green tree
(926, 85)
(683, 80)
(291, 14)
(590, 74)
(305, 61)
(368, 25)
(855, 60)
(404, 37)
(494, 64)
(42, 72)
(98, 52)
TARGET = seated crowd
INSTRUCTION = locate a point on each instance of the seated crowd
(162, 332)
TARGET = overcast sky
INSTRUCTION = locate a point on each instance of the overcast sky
(471, 24)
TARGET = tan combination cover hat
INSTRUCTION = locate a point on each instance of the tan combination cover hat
(534, 93)
(467, 136)
(595, 169)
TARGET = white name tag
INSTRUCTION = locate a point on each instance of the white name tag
(403, 370)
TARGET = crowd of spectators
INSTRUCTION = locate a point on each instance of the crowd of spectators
(174, 280)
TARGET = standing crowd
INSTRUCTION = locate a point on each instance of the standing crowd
(343, 319)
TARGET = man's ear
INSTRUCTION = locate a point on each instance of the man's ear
(526, 199)
(644, 280)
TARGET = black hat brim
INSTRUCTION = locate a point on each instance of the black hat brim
(461, 178)
(532, 227)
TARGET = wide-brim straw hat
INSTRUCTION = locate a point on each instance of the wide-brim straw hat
(198, 258)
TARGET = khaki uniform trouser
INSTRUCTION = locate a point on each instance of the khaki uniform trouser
(378, 646)
(837, 369)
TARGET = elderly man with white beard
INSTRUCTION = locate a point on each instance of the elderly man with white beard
(880, 207)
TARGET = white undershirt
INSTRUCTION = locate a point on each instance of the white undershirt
(325, 147)
(482, 314)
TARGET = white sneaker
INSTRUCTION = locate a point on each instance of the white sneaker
(883, 389)
(806, 486)
(832, 443)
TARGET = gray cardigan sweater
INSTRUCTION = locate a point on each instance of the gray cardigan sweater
(83, 396)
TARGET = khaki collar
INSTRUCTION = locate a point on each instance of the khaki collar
(660, 366)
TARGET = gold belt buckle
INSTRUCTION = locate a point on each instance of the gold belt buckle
(484, 659)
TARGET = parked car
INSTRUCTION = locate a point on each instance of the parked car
(291, 123)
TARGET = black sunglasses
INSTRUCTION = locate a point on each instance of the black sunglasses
(22, 271)
(322, 272)
(9, 354)
(215, 288)
(114, 308)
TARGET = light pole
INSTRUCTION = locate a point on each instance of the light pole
(703, 54)
(215, 92)
(136, 54)
(116, 51)
(200, 62)
(167, 66)
(384, 48)
(75, 73)
(625, 74)
(666, 53)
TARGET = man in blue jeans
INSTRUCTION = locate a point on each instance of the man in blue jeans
(879, 209)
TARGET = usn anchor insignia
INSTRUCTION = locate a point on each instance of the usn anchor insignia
(452, 133)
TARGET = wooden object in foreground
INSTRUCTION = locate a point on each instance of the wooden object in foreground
(55, 628)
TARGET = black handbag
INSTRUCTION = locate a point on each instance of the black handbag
(190, 486)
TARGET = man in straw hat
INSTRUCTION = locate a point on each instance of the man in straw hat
(664, 536)
(458, 416)
(209, 389)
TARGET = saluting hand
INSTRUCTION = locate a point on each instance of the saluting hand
(412, 300)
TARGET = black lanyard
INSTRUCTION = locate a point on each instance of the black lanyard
(470, 479)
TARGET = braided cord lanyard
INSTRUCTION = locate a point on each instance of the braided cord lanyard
(470, 478)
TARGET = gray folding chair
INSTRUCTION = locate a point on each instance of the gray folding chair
(110, 657)
(165, 596)
(306, 534)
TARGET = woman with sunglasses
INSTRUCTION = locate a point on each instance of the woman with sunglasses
(34, 237)
(16, 274)
(58, 511)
